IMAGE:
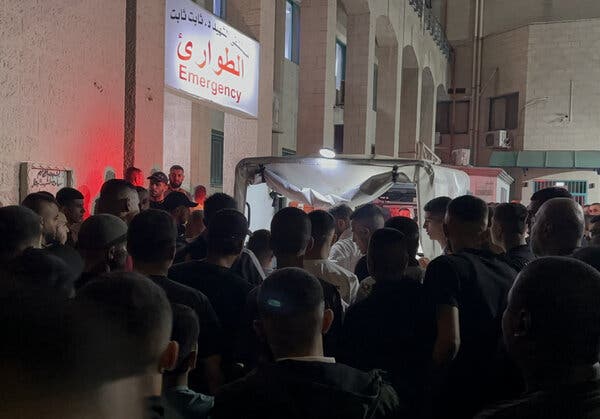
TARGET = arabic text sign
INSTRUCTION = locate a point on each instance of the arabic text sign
(38, 177)
(207, 58)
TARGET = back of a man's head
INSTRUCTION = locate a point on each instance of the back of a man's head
(185, 332)
(66, 195)
(151, 237)
(540, 197)
(20, 228)
(589, 255)
(558, 228)
(215, 203)
(35, 200)
(130, 321)
(438, 206)
(369, 215)
(322, 226)
(341, 212)
(466, 220)
(511, 217)
(37, 269)
(291, 308)
(119, 198)
(410, 229)
(553, 315)
(387, 256)
(260, 244)
(290, 232)
(227, 232)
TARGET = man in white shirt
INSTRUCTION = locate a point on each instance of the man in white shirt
(316, 259)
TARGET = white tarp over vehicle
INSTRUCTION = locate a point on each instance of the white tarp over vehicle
(324, 183)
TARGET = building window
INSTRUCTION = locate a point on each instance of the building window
(577, 188)
(292, 31)
(338, 139)
(375, 76)
(504, 112)
(286, 152)
(216, 159)
(340, 72)
(219, 8)
(443, 117)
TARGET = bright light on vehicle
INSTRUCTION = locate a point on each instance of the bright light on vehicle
(327, 153)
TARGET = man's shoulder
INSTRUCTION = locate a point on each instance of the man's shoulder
(332, 268)
(180, 293)
(525, 408)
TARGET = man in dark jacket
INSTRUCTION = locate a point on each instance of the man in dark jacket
(301, 382)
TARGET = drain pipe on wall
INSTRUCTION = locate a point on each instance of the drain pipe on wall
(472, 105)
(478, 80)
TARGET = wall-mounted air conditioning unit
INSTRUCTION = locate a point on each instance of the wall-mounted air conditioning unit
(438, 138)
(498, 139)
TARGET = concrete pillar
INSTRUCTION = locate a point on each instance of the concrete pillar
(251, 137)
(199, 170)
(316, 96)
(427, 109)
(358, 110)
(388, 101)
(177, 133)
(149, 85)
(409, 112)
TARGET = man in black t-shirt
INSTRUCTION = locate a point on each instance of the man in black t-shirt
(392, 329)
(151, 244)
(213, 277)
(552, 328)
(508, 231)
(468, 290)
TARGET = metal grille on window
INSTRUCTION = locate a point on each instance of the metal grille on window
(577, 188)
(216, 159)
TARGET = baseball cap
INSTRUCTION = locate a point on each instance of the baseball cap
(158, 177)
(177, 199)
(101, 231)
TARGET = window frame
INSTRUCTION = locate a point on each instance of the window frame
(291, 40)
(222, 6)
(513, 104)
(216, 179)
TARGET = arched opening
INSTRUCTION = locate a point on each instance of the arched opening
(409, 100)
(386, 88)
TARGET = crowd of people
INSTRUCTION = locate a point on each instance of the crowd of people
(154, 308)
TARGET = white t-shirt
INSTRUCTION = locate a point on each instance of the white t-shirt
(344, 280)
(345, 253)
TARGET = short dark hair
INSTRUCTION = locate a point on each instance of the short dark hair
(595, 219)
(130, 171)
(260, 243)
(66, 195)
(561, 307)
(290, 231)
(115, 186)
(176, 167)
(227, 232)
(387, 256)
(341, 212)
(512, 217)
(34, 201)
(438, 206)
(131, 315)
(410, 229)
(19, 226)
(289, 300)
(185, 331)
(141, 190)
(468, 209)
(215, 203)
(546, 194)
(322, 225)
(368, 213)
(38, 269)
(151, 236)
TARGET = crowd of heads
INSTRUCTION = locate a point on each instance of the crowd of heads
(68, 278)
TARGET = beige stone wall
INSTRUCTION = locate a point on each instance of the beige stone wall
(61, 91)
(559, 53)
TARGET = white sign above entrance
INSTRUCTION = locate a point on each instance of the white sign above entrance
(210, 60)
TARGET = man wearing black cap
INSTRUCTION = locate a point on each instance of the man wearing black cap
(301, 382)
(102, 245)
(213, 277)
(178, 205)
(159, 185)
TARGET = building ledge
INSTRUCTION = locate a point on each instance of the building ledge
(559, 159)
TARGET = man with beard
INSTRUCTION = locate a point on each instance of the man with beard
(176, 178)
